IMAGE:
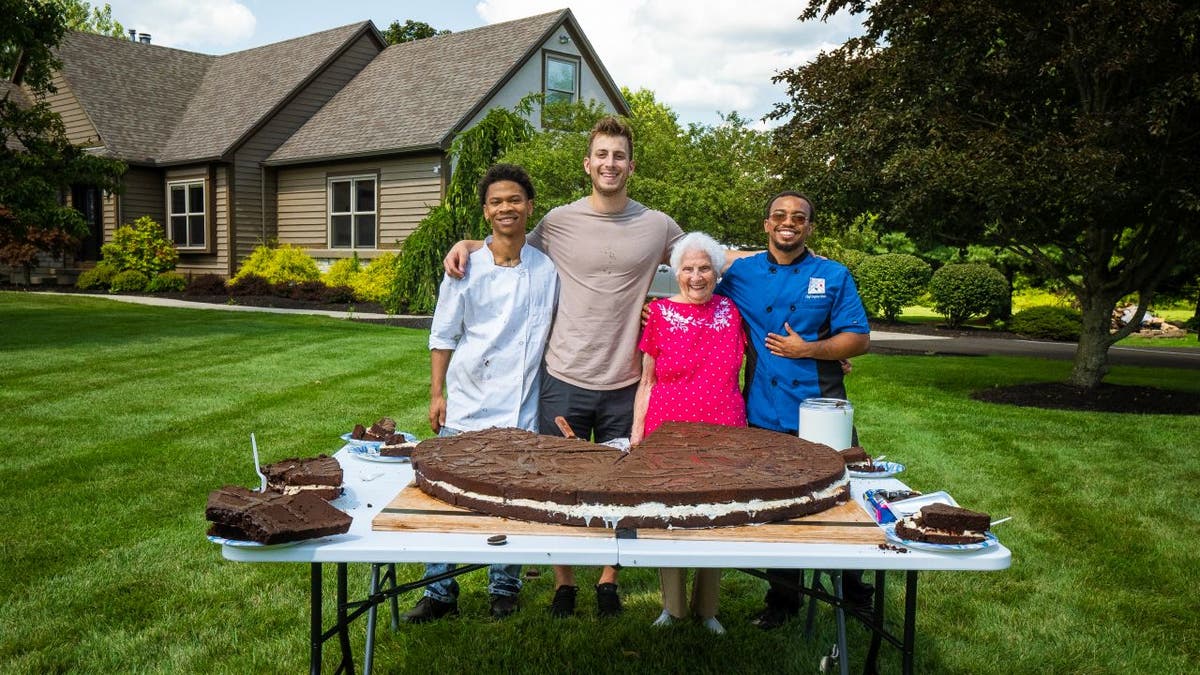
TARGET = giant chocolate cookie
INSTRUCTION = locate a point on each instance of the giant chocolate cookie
(685, 474)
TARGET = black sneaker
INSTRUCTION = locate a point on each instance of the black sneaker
(608, 603)
(563, 604)
(503, 605)
(428, 609)
(772, 617)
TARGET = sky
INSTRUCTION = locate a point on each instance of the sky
(700, 57)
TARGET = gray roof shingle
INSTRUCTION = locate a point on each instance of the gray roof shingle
(134, 93)
(158, 105)
(241, 88)
(417, 94)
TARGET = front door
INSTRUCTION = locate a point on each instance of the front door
(86, 201)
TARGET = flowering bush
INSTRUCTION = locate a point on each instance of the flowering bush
(141, 246)
(285, 264)
(375, 282)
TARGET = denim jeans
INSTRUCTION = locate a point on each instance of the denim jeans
(502, 579)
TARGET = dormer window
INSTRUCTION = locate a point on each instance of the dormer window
(561, 76)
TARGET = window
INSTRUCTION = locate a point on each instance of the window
(186, 213)
(562, 78)
(352, 212)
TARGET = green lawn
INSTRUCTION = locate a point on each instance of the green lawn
(119, 419)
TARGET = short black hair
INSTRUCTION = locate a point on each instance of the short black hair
(812, 209)
(499, 172)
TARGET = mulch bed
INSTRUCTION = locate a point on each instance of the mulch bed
(1112, 398)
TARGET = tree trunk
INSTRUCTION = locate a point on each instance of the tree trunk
(1091, 356)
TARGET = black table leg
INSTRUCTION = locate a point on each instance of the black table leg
(871, 666)
(910, 622)
(343, 624)
(316, 623)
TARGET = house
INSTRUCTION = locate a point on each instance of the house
(334, 141)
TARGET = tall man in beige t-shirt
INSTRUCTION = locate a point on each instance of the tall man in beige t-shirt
(606, 248)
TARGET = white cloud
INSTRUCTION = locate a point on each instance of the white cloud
(210, 26)
(698, 57)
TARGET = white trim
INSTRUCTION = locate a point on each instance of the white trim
(354, 211)
(188, 212)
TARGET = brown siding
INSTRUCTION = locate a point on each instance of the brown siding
(144, 196)
(80, 129)
(408, 188)
(251, 198)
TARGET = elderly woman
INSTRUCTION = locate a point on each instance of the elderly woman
(692, 353)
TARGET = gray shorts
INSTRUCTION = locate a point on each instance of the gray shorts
(593, 414)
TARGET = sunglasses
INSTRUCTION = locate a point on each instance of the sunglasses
(781, 217)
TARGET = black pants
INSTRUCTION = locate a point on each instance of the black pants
(593, 414)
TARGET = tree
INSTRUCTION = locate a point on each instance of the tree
(37, 162)
(410, 30)
(1035, 126)
(38, 15)
(460, 215)
(710, 178)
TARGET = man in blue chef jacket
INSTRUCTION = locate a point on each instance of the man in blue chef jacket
(803, 317)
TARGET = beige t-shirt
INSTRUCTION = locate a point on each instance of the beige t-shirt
(605, 264)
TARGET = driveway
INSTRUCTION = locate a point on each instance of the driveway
(909, 343)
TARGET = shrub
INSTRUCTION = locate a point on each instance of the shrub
(99, 278)
(250, 284)
(1048, 322)
(206, 284)
(141, 246)
(342, 272)
(851, 258)
(165, 282)
(286, 264)
(374, 283)
(962, 290)
(890, 281)
(129, 281)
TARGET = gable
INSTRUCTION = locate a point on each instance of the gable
(416, 95)
(241, 89)
(157, 105)
(133, 93)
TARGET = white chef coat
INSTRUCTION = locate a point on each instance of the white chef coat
(496, 320)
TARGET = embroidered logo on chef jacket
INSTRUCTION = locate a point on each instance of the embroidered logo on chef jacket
(816, 287)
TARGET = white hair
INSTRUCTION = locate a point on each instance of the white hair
(698, 241)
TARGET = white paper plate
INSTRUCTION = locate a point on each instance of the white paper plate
(240, 543)
(907, 507)
(372, 454)
(989, 541)
(889, 469)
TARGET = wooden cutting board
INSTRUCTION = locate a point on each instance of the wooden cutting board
(413, 510)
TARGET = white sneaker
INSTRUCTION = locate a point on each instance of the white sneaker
(664, 619)
(714, 626)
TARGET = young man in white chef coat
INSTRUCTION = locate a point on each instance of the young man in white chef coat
(486, 343)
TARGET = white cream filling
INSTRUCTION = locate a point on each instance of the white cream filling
(296, 489)
(910, 521)
(611, 514)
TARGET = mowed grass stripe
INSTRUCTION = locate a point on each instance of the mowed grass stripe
(119, 419)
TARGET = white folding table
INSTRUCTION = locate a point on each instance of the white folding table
(370, 486)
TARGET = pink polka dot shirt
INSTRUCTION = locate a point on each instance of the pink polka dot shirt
(697, 351)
